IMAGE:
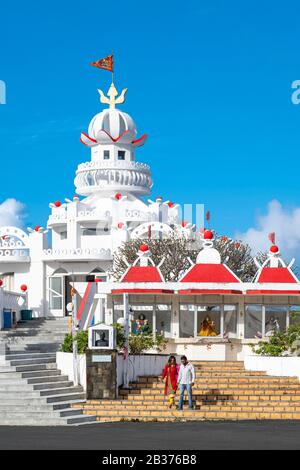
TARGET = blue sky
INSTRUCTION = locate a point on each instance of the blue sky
(210, 82)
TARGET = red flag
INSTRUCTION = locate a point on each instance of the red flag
(272, 237)
(107, 63)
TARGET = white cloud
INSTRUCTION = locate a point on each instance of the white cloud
(12, 212)
(284, 222)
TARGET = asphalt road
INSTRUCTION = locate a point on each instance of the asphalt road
(156, 436)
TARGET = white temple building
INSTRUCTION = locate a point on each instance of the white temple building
(107, 210)
(208, 309)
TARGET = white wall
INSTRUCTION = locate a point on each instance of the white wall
(277, 366)
(143, 365)
(65, 364)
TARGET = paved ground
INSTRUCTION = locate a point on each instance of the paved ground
(156, 436)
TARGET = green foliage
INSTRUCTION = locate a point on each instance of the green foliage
(120, 335)
(140, 343)
(280, 343)
(82, 342)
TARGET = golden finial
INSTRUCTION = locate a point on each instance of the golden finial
(113, 96)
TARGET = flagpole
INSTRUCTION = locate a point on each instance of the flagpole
(113, 66)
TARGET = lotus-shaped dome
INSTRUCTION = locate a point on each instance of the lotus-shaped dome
(112, 124)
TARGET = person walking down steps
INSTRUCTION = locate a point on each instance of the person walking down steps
(170, 375)
(186, 381)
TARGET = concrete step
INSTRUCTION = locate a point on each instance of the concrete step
(63, 397)
(34, 367)
(47, 379)
(49, 385)
(40, 373)
(58, 391)
(37, 360)
(26, 355)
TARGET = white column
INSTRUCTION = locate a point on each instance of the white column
(36, 276)
(1, 307)
(175, 317)
(126, 333)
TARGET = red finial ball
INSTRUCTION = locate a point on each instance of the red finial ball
(144, 248)
(37, 228)
(120, 225)
(171, 204)
(184, 223)
(57, 203)
(1, 282)
(98, 279)
(274, 249)
(118, 196)
(208, 235)
(24, 288)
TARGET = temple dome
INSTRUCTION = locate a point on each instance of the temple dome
(112, 124)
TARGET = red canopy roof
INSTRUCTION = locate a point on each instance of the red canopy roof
(276, 275)
(142, 274)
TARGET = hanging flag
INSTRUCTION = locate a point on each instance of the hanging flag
(107, 63)
(272, 237)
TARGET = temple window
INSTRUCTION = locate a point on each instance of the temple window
(147, 318)
(294, 315)
(208, 321)
(253, 321)
(264, 320)
(186, 321)
(275, 319)
(106, 154)
(63, 235)
(121, 154)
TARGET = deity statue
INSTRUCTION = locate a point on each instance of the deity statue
(141, 326)
(208, 327)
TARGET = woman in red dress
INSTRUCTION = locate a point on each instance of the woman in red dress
(170, 373)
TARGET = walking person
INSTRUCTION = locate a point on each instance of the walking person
(170, 374)
(186, 380)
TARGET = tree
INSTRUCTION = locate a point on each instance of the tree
(177, 250)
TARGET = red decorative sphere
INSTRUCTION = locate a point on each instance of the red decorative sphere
(24, 288)
(144, 248)
(98, 279)
(274, 249)
(1, 282)
(224, 239)
(118, 196)
(120, 225)
(37, 228)
(184, 223)
(57, 203)
(208, 235)
(171, 204)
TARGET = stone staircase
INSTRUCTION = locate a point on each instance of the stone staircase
(223, 391)
(32, 390)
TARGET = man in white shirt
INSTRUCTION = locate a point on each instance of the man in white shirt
(186, 380)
